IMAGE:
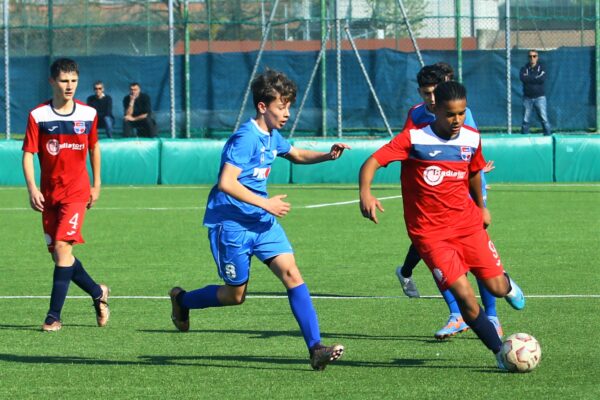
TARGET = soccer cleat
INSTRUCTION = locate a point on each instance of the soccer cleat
(321, 355)
(456, 324)
(53, 327)
(496, 322)
(515, 297)
(499, 362)
(179, 315)
(101, 306)
(408, 285)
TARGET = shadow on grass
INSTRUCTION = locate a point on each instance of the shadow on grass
(38, 328)
(258, 334)
(233, 361)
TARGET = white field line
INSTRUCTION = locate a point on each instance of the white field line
(339, 203)
(275, 297)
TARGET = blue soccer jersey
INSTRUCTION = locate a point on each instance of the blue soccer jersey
(253, 151)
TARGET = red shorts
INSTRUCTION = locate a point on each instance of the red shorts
(63, 222)
(451, 258)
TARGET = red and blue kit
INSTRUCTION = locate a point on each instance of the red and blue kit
(62, 143)
(438, 211)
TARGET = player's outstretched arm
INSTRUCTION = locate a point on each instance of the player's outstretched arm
(228, 183)
(304, 156)
(95, 163)
(36, 198)
(368, 203)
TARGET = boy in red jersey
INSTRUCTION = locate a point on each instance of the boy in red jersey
(62, 131)
(440, 169)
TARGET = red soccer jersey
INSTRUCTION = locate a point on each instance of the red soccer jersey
(435, 181)
(62, 143)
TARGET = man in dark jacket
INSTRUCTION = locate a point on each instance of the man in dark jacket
(533, 76)
(138, 113)
(103, 105)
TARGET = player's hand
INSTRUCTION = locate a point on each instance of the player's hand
(278, 207)
(337, 149)
(487, 217)
(36, 200)
(489, 167)
(94, 196)
(129, 118)
(369, 206)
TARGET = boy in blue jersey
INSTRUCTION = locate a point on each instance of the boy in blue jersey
(241, 218)
(420, 115)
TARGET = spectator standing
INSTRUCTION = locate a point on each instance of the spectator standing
(138, 113)
(533, 77)
(103, 105)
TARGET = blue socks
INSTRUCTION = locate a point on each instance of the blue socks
(60, 287)
(485, 331)
(488, 300)
(82, 279)
(450, 301)
(305, 314)
(410, 262)
(201, 298)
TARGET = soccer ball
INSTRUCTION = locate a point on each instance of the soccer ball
(521, 352)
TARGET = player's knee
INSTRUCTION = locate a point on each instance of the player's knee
(292, 277)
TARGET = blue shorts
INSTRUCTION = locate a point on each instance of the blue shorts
(232, 250)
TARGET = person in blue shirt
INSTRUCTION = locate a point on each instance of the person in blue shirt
(242, 219)
(418, 116)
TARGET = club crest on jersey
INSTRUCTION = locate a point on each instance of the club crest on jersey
(52, 146)
(79, 127)
(465, 153)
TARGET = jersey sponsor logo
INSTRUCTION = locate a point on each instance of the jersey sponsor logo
(54, 147)
(434, 175)
(434, 153)
(79, 127)
(53, 128)
(261, 173)
(465, 153)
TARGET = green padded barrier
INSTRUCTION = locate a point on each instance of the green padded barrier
(345, 169)
(11, 170)
(188, 161)
(130, 161)
(519, 158)
(577, 158)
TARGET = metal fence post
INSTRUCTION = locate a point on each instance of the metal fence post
(458, 27)
(508, 80)
(6, 70)
(186, 12)
(597, 31)
(172, 68)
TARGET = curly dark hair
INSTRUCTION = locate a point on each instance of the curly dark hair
(269, 84)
